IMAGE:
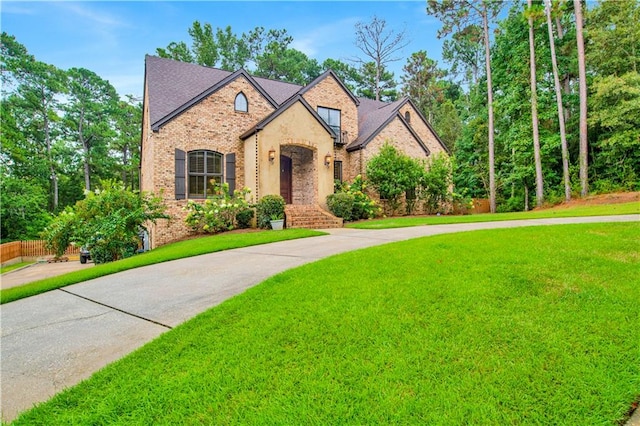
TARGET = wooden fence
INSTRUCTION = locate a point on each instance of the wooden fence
(33, 248)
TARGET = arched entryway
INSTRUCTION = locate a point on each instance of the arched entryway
(298, 175)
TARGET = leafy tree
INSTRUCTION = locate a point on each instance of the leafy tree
(393, 173)
(107, 222)
(559, 105)
(126, 145)
(87, 116)
(380, 46)
(582, 73)
(447, 123)
(615, 118)
(348, 75)
(22, 208)
(176, 51)
(375, 83)
(613, 39)
(532, 14)
(458, 17)
(436, 182)
(420, 82)
(33, 105)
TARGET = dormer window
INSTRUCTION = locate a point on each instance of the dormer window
(407, 117)
(241, 103)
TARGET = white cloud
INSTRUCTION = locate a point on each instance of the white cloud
(93, 16)
(315, 41)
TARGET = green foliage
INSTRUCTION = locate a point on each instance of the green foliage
(219, 212)
(244, 218)
(615, 117)
(60, 232)
(270, 207)
(22, 208)
(341, 205)
(107, 222)
(393, 173)
(436, 183)
(351, 202)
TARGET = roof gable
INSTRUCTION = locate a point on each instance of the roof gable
(324, 75)
(293, 100)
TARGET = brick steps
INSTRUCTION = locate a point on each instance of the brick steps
(310, 217)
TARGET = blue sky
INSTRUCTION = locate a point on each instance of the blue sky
(112, 38)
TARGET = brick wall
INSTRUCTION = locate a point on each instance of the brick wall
(212, 124)
(328, 93)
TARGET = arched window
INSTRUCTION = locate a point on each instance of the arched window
(407, 116)
(241, 103)
(205, 170)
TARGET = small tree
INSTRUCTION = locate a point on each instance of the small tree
(107, 222)
(436, 182)
(393, 173)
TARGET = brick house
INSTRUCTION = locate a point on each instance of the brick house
(203, 124)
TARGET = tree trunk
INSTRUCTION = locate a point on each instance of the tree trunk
(492, 176)
(582, 74)
(85, 151)
(556, 79)
(526, 198)
(534, 112)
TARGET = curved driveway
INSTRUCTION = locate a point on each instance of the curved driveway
(56, 339)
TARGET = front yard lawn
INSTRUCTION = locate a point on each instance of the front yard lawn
(535, 325)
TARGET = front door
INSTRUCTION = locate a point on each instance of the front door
(286, 179)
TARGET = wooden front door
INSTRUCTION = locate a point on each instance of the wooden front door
(286, 178)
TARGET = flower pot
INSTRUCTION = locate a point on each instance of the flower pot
(277, 225)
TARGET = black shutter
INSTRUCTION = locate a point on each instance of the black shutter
(230, 169)
(181, 192)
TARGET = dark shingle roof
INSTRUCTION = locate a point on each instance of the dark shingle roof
(372, 116)
(174, 86)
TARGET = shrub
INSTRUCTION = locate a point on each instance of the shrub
(436, 183)
(219, 212)
(393, 173)
(350, 202)
(244, 217)
(341, 205)
(270, 207)
(107, 222)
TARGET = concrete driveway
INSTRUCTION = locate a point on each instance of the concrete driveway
(56, 339)
(39, 271)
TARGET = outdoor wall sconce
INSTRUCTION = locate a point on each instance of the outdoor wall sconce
(327, 159)
(272, 155)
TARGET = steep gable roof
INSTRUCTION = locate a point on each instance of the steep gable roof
(171, 84)
(285, 106)
(175, 86)
(329, 73)
(374, 116)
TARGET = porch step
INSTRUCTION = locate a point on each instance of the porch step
(310, 217)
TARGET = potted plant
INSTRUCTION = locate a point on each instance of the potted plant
(270, 212)
(277, 221)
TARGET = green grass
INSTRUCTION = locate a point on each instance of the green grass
(165, 253)
(537, 325)
(14, 266)
(596, 210)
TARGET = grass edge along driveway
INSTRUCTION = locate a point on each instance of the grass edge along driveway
(573, 211)
(534, 325)
(173, 251)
